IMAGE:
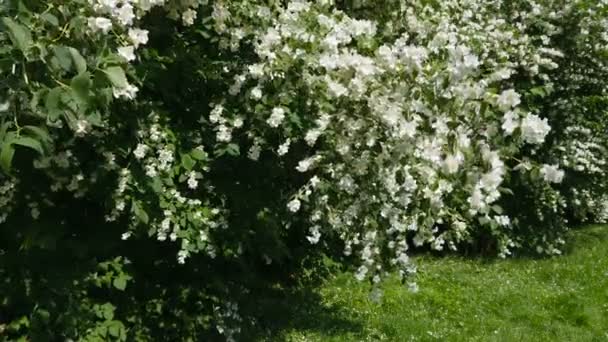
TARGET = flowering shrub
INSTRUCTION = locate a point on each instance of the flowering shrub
(230, 143)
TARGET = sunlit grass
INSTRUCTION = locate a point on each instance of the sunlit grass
(554, 299)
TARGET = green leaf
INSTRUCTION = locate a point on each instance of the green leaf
(538, 91)
(53, 98)
(79, 61)
(49, 18)
(19, 34)
(107, 311)
(233, 150)
(140, 213)
(81, 85)
(37, 96)
(113, 331)
(156, 185)
(117, 76)
(6, 156)
(63, 57)
(4, 129)
(187, 162)
(198, 154)
(120, 282)
(41, 133)
(497, 209)
(29, 143)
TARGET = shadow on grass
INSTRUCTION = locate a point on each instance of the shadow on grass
(299, 310)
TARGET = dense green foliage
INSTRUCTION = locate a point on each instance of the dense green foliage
(166, 166)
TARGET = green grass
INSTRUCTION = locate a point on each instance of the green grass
(554, 299)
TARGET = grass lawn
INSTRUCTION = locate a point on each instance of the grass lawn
(554, 299)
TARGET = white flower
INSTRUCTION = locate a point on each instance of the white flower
(100, 24)
(4, 106)
(138, 36)
(120, 205)
(508, 99)
(127, 52)
(284, 148)
(552, 173)
(314, 236)
(510, 122)
(151, 170)
(534, 129)
(314, 181)
(304, 165)
(216, 113)
(165, 157)
(336, 89)
(35, 213)
(361, 272)
(256, 70)
(256, 93)
(503, 220)
(125, 236)
(312, 136)
(224, 133)
(188, 17)
(181, 256)
(165, 224)
(477, 200)
(192, 182)
(81, 127)
(129, 92)
(125, 14)
(254, 152)
(452, 163)
(277, 116)
(238, 122)
(294, 205)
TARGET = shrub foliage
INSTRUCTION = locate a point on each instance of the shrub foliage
(166, 162)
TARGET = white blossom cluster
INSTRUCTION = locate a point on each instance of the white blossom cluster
(582, 151)
(412, 137)
(8, 189)
(120, 17)
(228, 320)
(180, 215)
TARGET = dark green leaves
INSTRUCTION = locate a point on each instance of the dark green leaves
(68, 59)
(49, 18)
(81, 85)
(79, 62)
(139, 212)
(52, 102)
(7, 151)
(120, 282)
(7, 148)
(198, 154)
(62, 57)
(187, 162)
(30, 143)
(116, 76)
(19, 34)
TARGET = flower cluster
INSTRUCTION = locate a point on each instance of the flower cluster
(406, 136)
(8, 190)
(177, 214)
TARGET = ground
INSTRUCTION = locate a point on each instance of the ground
(562, 298)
